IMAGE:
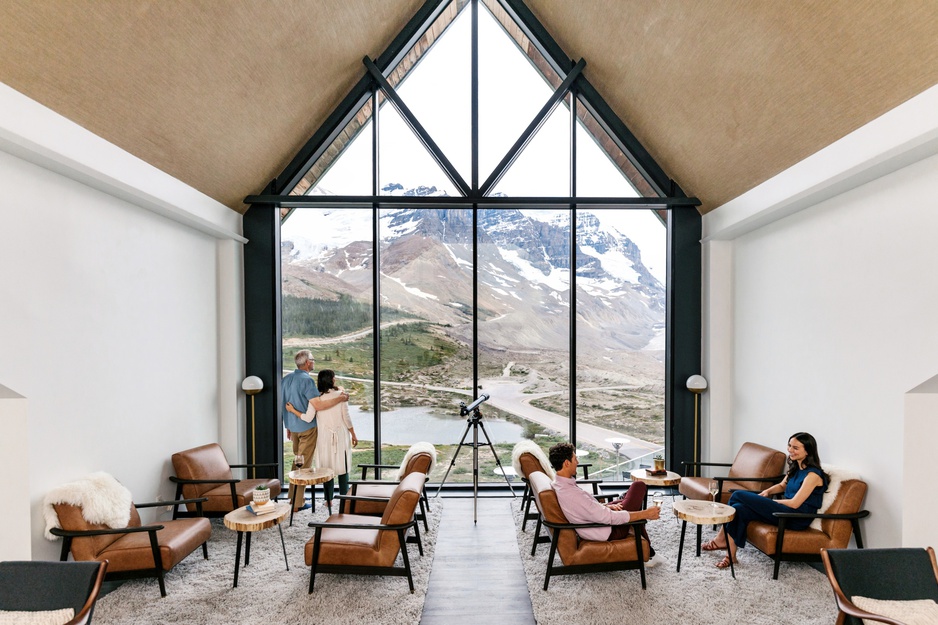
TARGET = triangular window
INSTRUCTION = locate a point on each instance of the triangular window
(411, 226)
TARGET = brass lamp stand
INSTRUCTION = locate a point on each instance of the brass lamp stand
(696, 384)
(252, 385)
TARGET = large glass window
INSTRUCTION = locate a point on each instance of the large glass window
(556, 312)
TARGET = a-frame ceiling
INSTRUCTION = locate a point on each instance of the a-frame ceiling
(221, 94)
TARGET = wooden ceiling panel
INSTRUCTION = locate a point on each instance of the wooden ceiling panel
(221, 94)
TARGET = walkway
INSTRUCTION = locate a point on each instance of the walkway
(477, 576)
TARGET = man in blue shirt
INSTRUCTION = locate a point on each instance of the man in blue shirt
(300, 390)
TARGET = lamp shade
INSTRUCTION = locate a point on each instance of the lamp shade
(696, 384)
(252, 385)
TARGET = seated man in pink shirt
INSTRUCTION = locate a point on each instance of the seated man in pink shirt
(581, 507)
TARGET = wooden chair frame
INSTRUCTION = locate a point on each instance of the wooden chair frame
(157, 570)
(401, 530)
(180, 482)
(847, 610)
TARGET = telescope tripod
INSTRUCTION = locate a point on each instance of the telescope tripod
(474, 423)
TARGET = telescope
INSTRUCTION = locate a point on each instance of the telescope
(464, 409)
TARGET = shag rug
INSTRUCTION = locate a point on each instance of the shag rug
(700, 594)
(200, 591)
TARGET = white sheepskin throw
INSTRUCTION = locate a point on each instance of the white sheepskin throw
(103, 500)
(527, 446)
(417, 448)
(837, 476)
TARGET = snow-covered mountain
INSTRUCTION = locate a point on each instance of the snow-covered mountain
(524, 273)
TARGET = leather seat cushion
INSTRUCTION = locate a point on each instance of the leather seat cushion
(373, 490)
(764, 535)
(177, 539)
(347, 546)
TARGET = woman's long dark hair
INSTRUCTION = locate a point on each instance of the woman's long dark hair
(326, 380)
(812, 459)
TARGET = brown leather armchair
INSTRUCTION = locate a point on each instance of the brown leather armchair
(576, 554)
(838, 522)
(136, 550)
(370, 497)
(367, 545)
(529, 463)
(204, 472)
(755, 467)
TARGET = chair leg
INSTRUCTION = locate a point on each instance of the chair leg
(205, 550)
(410, 578)
(157, 561)
(537, 533)
(312, 570)
(550, 558)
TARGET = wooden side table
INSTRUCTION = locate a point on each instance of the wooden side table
(702, 513)
(641, 475)
(307, 477)
(243, 521)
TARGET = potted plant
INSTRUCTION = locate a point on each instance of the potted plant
(659, 462)
(261, 494)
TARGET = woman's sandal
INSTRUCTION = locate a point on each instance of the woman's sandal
(711, 545)
(725, 563)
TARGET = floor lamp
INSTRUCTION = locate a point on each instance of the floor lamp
(253, 385)
(696, 384)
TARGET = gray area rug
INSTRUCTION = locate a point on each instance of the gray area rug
(200, 591)
(699, 594)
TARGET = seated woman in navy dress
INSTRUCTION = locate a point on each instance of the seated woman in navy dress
(804, 488)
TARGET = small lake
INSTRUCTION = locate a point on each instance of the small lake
(412, 424)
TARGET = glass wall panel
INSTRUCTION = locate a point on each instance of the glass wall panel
(426, 333)
(438, 91)
(326, 258)
(620, 305)
(524, 314)
(511, 92)
(405, 165)
(543, 167)
(345, 166)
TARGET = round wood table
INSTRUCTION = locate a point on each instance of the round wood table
(702, 513)
(641, 475)
(307, 477)
(244, 521)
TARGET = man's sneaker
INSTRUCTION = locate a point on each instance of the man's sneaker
(654, 561)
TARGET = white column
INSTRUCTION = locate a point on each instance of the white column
(920, 507)
(15, 535)
(717, 402)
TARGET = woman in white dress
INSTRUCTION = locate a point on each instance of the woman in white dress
(333, 450)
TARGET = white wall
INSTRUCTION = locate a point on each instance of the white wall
(116, 322)
(835, 307)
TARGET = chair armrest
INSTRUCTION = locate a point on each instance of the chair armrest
(862, 514)
(254, 465)
(380, 466)
(355, 526)
(775, 479)
(573, 526)
(688, 463)
(847, 607)
(179, 480)
(359, 498)
(174, 502)
(377, 482)
(102, 532)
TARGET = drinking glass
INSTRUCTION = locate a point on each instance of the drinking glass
(657, 500)
(714, 488)
(298, 461)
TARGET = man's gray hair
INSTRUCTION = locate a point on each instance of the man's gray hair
(302, 357)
